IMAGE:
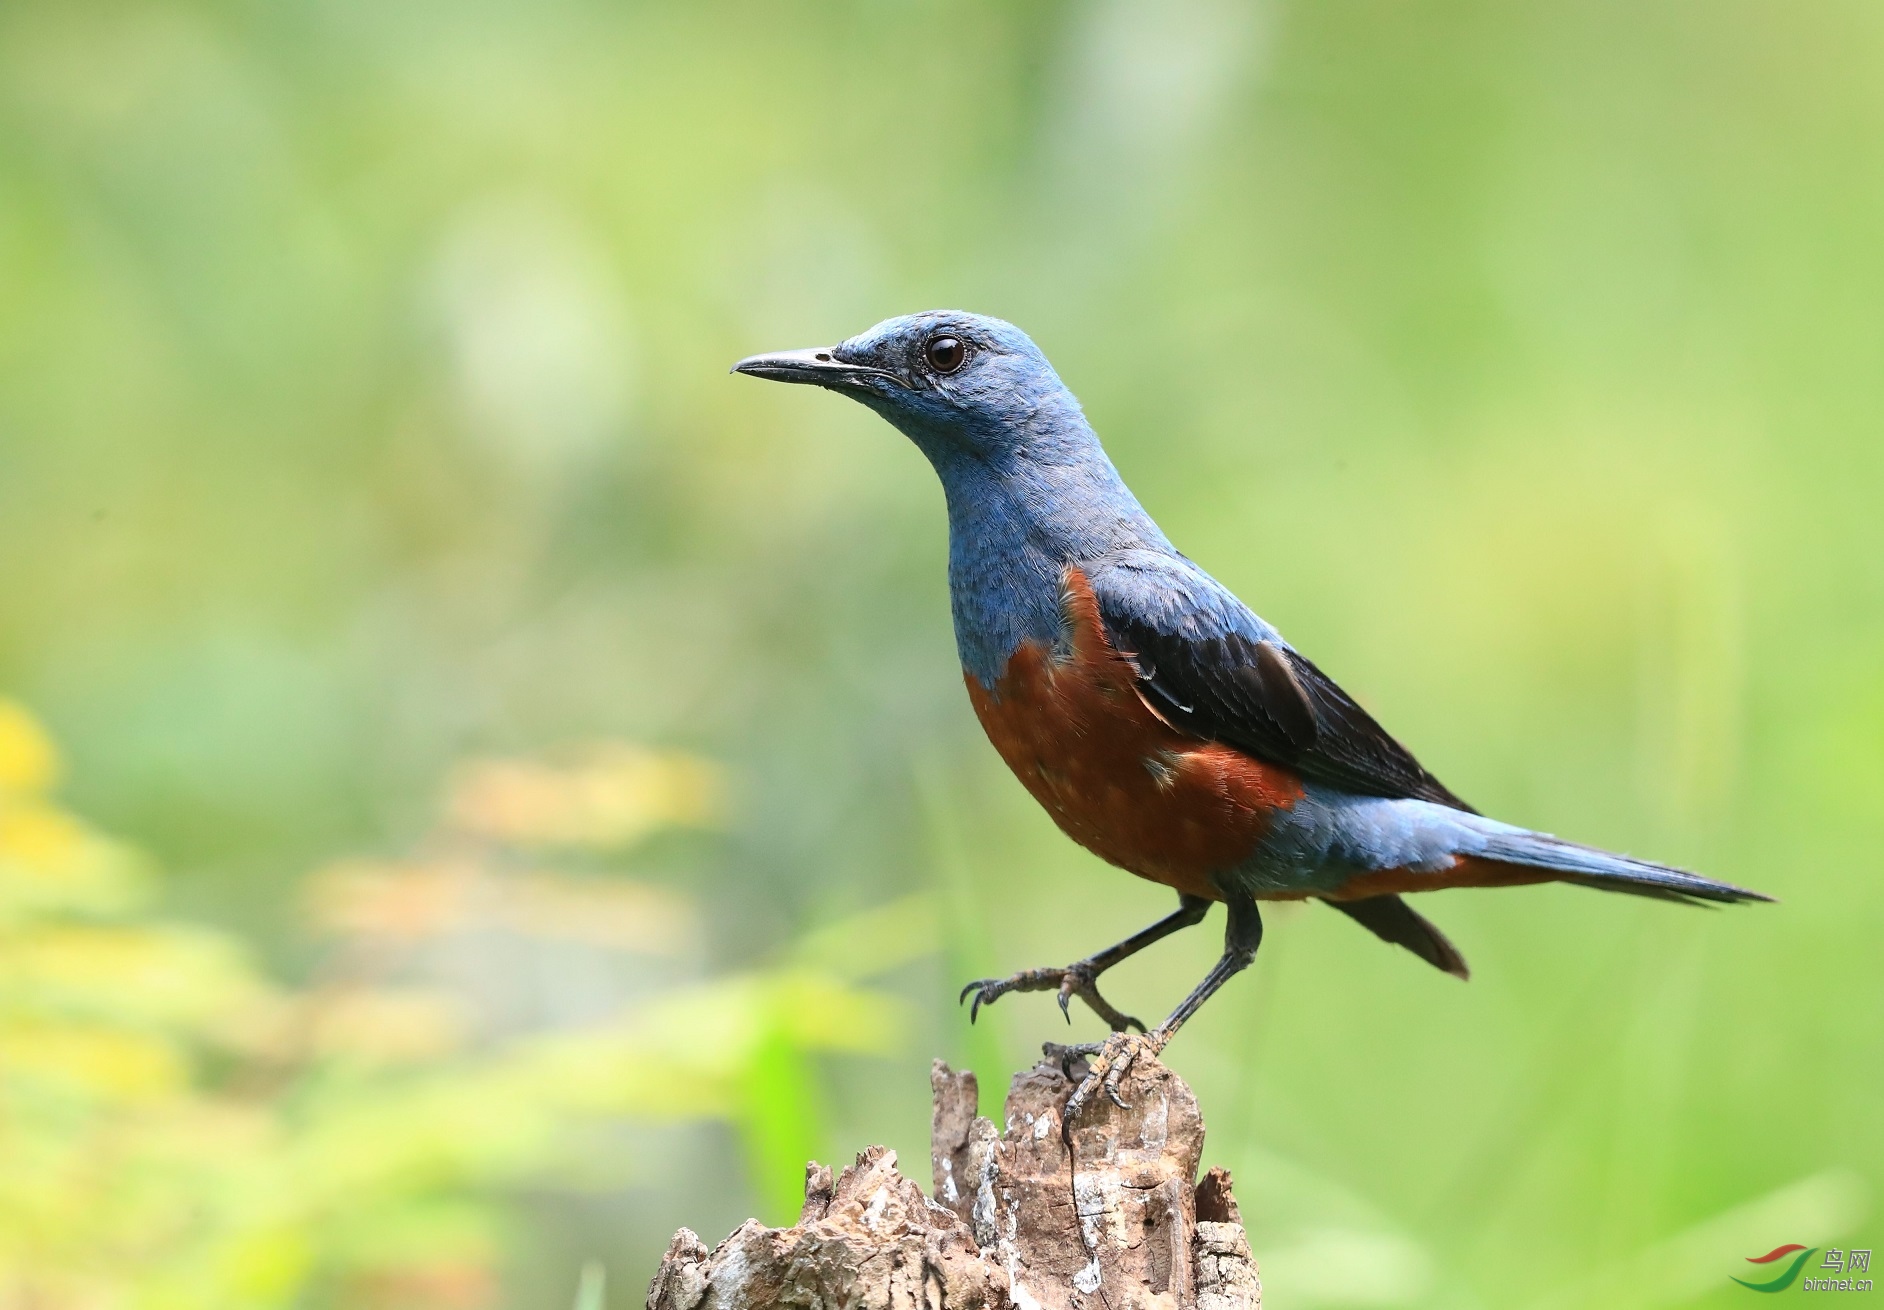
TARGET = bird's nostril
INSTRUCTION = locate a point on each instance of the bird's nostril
(823, 357)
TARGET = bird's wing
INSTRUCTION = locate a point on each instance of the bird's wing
(1210, 666)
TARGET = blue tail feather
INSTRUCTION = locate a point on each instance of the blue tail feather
(1606, 871)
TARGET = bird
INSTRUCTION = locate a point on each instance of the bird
(1162, 724)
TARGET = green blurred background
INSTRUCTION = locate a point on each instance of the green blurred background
(528, 799)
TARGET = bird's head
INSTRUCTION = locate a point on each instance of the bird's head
(961, 386)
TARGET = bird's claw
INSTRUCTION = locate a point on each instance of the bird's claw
(985, 994)
(1078, 979)
(1108, 1063)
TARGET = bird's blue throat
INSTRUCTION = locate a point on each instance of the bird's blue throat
(1016, 523)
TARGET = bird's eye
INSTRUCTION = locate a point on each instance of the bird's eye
(946, 354)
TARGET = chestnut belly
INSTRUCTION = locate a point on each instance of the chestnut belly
(1116, 777)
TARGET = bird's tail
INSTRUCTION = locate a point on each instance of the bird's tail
(1393, 920)
(1606, 871)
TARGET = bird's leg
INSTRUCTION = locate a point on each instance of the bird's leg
(1112, 1058)
(1081, 978)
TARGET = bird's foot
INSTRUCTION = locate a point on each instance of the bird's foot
(1079, 979)
(1107, 1063)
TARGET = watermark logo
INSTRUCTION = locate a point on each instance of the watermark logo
(1786, 1276)
(1791, 1258)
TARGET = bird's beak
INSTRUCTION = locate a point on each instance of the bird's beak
(817, 366)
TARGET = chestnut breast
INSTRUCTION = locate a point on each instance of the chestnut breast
(1116, 777)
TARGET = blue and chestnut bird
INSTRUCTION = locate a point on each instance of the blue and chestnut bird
(1163, 725)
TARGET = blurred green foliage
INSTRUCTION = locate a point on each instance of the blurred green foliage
(363, 413)
(179, 1130)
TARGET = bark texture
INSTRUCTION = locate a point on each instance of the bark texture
(1019, 1221)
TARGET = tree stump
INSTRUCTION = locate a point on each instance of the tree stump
(1019, 1220)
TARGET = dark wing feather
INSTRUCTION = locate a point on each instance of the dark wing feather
(1393, 920)
(1262, 697)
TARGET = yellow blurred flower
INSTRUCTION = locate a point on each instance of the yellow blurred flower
(145, 974)
(29, 762)
(608, 796)
(420, 901)
(40, 838)
(607, 912)
(385, 1025)
(380, 898)
(93, 1062)
(232, 1142)
(50, 862)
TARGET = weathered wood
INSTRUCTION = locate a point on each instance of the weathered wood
(1020, 1220)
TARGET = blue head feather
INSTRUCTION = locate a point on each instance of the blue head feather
(1030, 489)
